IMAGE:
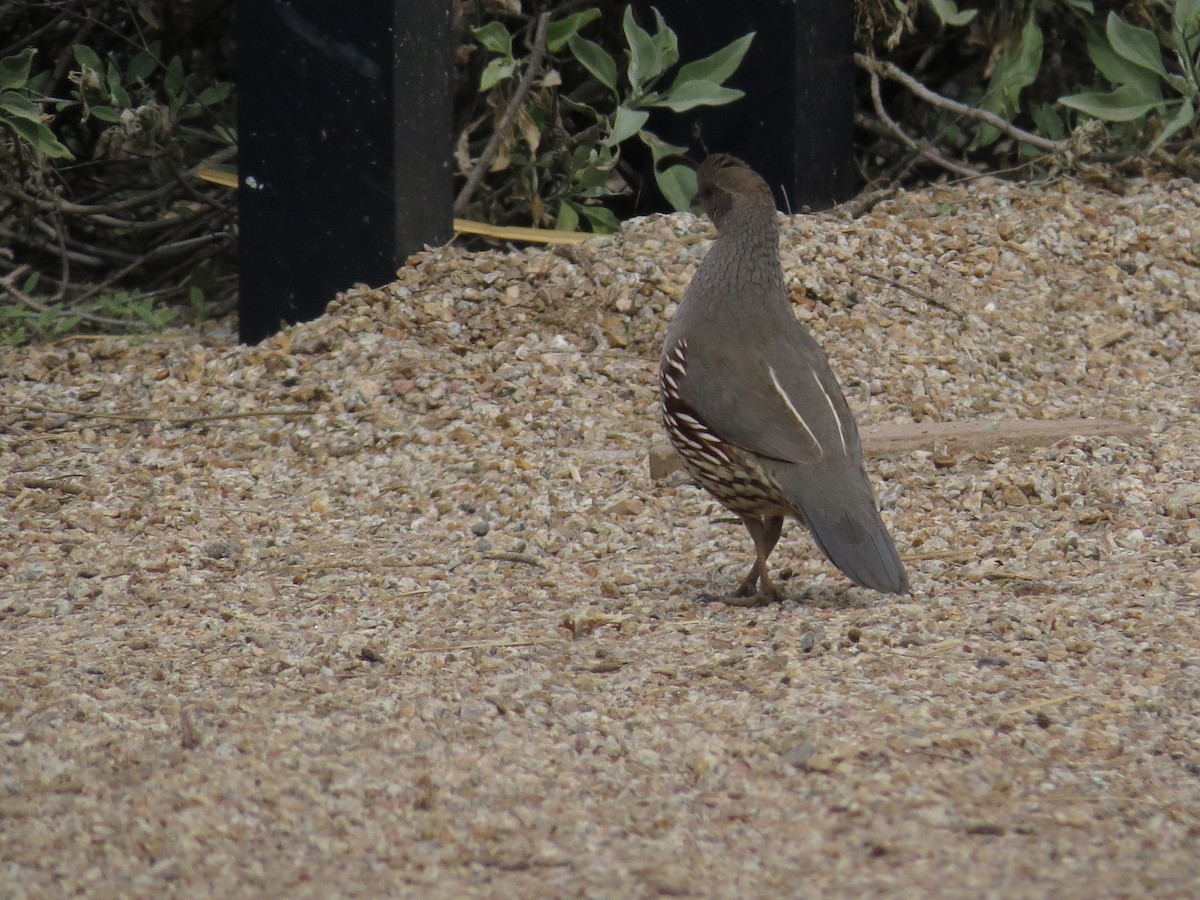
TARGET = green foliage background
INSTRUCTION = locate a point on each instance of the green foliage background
(107, 111)
(1117, 80)
(110, 110)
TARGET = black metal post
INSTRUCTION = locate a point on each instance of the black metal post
(344, 148)
(796, 123)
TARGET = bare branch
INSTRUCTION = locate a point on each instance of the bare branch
(8, 283)
(923, 152)
(888, 70)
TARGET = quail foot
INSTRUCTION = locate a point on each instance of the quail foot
(751, 405)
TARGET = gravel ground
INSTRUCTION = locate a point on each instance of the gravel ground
(390, 605)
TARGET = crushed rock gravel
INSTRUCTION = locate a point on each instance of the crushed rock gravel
(389, 605)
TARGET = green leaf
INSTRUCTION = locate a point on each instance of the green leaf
(1017, 71)
(20, 106)
(140, 67)
(658, 147)
(667, 43)
(581, 107)
(46, 317)
(1125, 104)
(568, 217)
(1138, 45)
(591, 169)
(14, 70)
(948, 12)
(601, 219)
(645, 63)
(496, 71)
(115, 89)
(215, 93)
(1185, 115)
(558, 33)
(717, 67)
(1116, 68)
(1049, 122)
(1185, 30)
(67, 323)
(1182, 85)
(495, 37)
(41, 138)
(1187, 16)
(86, 56)
(697, 93)
(595, 59)
(985, 136)
(105, 113)
(626, 124)
(678, 186)
(173, 80)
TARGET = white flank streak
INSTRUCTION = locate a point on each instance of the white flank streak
(795, 412)
(833, 412)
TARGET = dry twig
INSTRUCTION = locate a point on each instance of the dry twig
(486, 645)
(523, 558)
(890, 71)
(537, 55)
(923, 295)
(8, 282)
(180, 422)
(925, 151)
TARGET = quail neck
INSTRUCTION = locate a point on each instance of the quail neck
(741, 270)
(742, 266)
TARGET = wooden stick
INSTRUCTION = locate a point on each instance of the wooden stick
(486, 645)
(181, 422)
(889, 439)
(523, 558)
(518, 233)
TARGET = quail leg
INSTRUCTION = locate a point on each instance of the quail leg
(764, 530)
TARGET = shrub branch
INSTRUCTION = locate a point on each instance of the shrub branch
(537, 56)
(925, 151)
(890, 71)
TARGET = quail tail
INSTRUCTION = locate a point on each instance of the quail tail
(842, 516)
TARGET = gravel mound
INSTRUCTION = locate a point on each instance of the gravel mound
(389, 605)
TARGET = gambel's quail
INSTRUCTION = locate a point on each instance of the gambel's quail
(751, 405)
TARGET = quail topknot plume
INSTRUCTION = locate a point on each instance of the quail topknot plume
(751, 405)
